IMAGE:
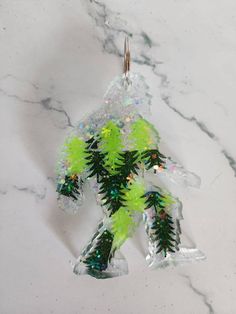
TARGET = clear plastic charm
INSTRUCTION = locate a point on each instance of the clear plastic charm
(115, 149)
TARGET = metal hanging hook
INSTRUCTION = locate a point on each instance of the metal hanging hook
(126, 56)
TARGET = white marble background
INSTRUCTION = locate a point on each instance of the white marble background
(56, 60)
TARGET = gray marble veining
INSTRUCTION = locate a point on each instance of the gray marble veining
(56, 58)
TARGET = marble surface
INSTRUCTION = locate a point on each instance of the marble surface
(56, 59)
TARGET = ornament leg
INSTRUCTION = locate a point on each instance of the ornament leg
(99, 258)
(168, 244)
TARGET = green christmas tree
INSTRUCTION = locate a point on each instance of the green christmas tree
(163, 226)
(70, 186)
(97, 260)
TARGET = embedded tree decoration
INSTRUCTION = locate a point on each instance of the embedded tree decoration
(111, 145)
(97, 260)
(164, 232)
(111, 189)
(75, 151)
(122, 226)
(153, 159)
(143, 136)
(70, 186)
(95, 163)
(127, 164)
(163, 226)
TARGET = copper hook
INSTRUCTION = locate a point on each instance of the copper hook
(126, 56)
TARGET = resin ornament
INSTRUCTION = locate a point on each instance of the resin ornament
(116, 151)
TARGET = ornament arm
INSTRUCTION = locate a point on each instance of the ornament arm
(71, 174)
(161, 166)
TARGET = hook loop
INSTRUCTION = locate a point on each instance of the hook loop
(126, 56)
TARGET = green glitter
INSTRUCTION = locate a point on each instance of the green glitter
(143, 135)
(75, 150)
(111, 145)
(122, 226)
(134, 197)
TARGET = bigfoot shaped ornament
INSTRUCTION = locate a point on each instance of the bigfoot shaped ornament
(115, 150)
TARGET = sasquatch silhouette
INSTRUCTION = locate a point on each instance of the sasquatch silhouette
(117, 151)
